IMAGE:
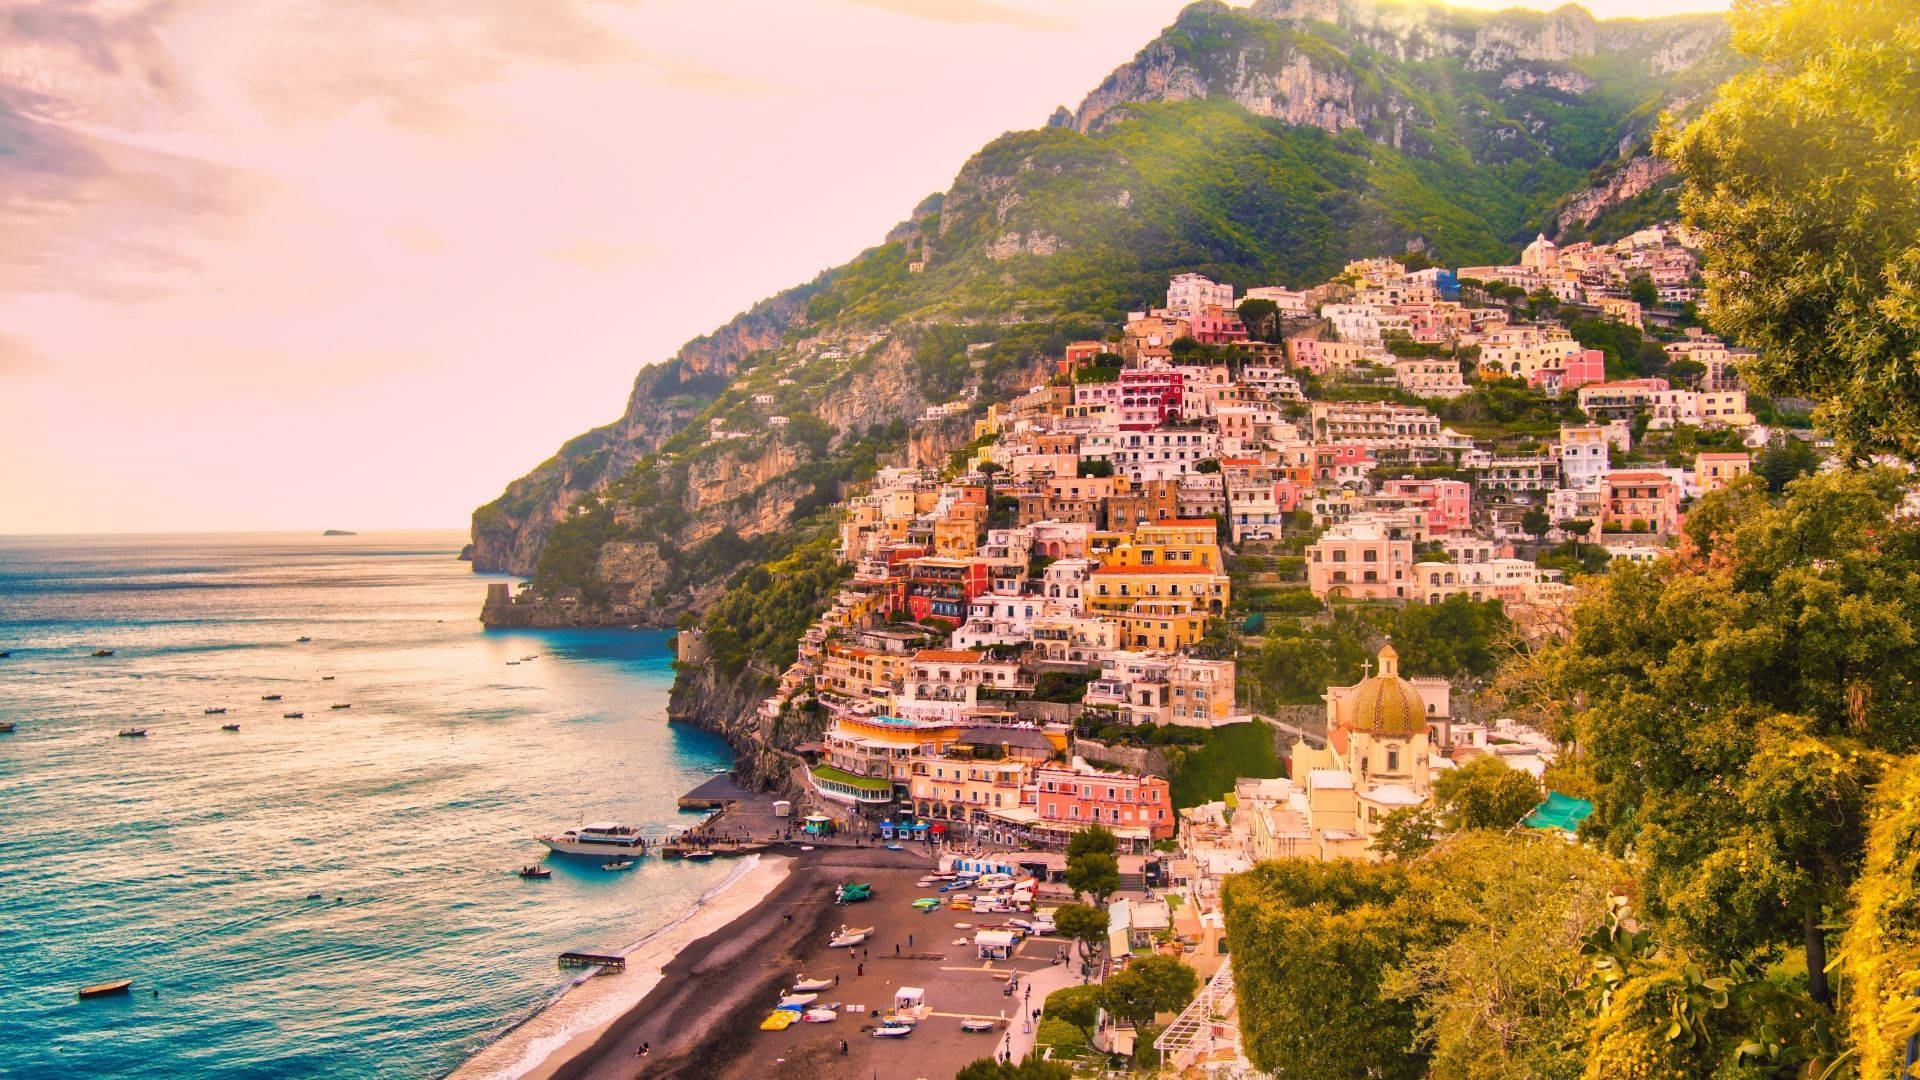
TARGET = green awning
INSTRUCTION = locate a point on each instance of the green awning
(1562, 812)
(841, 776)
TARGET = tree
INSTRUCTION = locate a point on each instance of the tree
(1408, 832)
(990, 469)
(1148, 986)
(1031, 1069)
(1486, 794)
(1092, 840)
(1094, 875)
(1536, 522)
(1785, 460)
(1577, 528)
(1077, 1005)
(1731, 698)
(1081, 923)
(1262, 319)
(1207, 465)
(1641, 290)
(1800, 175)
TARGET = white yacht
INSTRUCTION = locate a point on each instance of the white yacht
(599, 838)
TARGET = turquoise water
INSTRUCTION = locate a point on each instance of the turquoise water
(184, 860)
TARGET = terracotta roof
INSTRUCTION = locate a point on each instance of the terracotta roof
(1639, 477)
(949, 656)
(1190, 523)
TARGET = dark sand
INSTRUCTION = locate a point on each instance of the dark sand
(703, 1019)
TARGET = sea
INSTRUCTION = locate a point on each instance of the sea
(333, 895)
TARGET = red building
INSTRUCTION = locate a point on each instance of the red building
(937, 588)
(1449, 502)
(1148, 396)
(1068, 798)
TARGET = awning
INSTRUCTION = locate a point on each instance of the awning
(1563, 812)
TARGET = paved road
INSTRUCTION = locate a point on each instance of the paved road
(1016, 1044)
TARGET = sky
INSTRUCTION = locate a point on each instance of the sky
(306, 264)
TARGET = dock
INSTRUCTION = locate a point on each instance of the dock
(604, 961)
(716, 794)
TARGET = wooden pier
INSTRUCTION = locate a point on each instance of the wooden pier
(607, 962)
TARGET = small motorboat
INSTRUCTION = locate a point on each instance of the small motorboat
(976, 1024)
(270, 697)
(5, 653)
(133, 733)
(892, 1031)
(617, 864)
(326, 678)
(107, 989)
(229, 727)
(292, 715)
(217, 711)
(301, 640)
(512, 663)
(103, 652)
(803, 986)
(531, 656)
(928, 903)
(7, 728)
(698, 856)
(820, 1016)
(347, 706)
(847, 938)
(535, 873)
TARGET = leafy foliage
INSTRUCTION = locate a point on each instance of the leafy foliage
(1149, 985)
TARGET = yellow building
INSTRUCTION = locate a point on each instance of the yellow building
(1376, 761)
(1116, 587)
(860, 674)
(1160, 625)
(870, 759)
(1181, 542)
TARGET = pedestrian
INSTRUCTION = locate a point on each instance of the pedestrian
(836, 980)
(864, 954)
(859, 970)
(843, 1048)
(896, 948)
(909, 941)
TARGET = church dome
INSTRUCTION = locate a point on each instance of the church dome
(1387, 705)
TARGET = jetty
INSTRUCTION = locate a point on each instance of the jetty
(605, 961)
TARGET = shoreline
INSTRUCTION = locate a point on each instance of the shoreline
(586, 1009)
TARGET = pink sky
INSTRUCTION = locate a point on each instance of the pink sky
(336, 263)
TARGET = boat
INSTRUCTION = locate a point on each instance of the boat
(847, 938)
(927, 903)
(596, 838)
(302, 640)
(346, 706)
(893, 1031)
(531, 656)
(779, 1020)
(535, 873)
(270, 697)
(292, 715)
(5, 653)
(107, 989)
(853, 893)
(617, 864)
(229, 727)
(820, 1016)
(326, 678)
(802, 986)
(698, 855)
(511, 663)
(216, 712)
(133, 733)
(103, 652)
(975, 1024)
(797, 999)
(7, 728)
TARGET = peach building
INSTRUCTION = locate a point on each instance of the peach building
(1068, 798)
(1359, 560)
(1650, 498)
(1715, 471)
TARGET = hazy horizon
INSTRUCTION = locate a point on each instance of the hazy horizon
(270, 264)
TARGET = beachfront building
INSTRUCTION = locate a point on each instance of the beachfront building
(1060, 800)
(868, 760)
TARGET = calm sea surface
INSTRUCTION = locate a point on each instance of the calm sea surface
(185, 860)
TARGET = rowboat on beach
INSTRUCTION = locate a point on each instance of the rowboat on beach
(976, 1024)
(107, 989)
(847, 938)
(893, 1031)
(779, 1020)
(820, 1016)
(791, 1000)
(805, 985)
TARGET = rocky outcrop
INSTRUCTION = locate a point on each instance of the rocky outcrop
(729, 706)
(1632, 178)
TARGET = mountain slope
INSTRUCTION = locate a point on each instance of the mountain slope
(1260, 146)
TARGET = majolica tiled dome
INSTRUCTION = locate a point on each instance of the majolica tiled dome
(1388, 705)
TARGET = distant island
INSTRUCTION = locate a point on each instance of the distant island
(339, 532)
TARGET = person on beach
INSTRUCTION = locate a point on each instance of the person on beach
(909, 941)
(859, 970)
(843, 1048)
(836, 980)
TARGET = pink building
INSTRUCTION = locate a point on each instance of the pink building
(1581, 369)
(1068, 798)
(1649, 500)
(1359, 560)
(1215, 325)
(1449, 502)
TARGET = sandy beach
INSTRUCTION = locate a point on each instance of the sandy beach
(591, 1005)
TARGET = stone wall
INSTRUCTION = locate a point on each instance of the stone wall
(1149, 760)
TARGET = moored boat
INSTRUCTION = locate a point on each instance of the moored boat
(229, 727)
(133, 733)
(617, 864)
(103, 652)
(597, 838)
(270, 697)
(302, 640)
(346, 706)
(7, 728)
(699, 855)
(535, 873)
(107, 989)
(292, 715)
(216, 711)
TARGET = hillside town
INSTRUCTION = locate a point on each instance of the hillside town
(1074, 568)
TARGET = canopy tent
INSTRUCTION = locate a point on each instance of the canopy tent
(1562, 812)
